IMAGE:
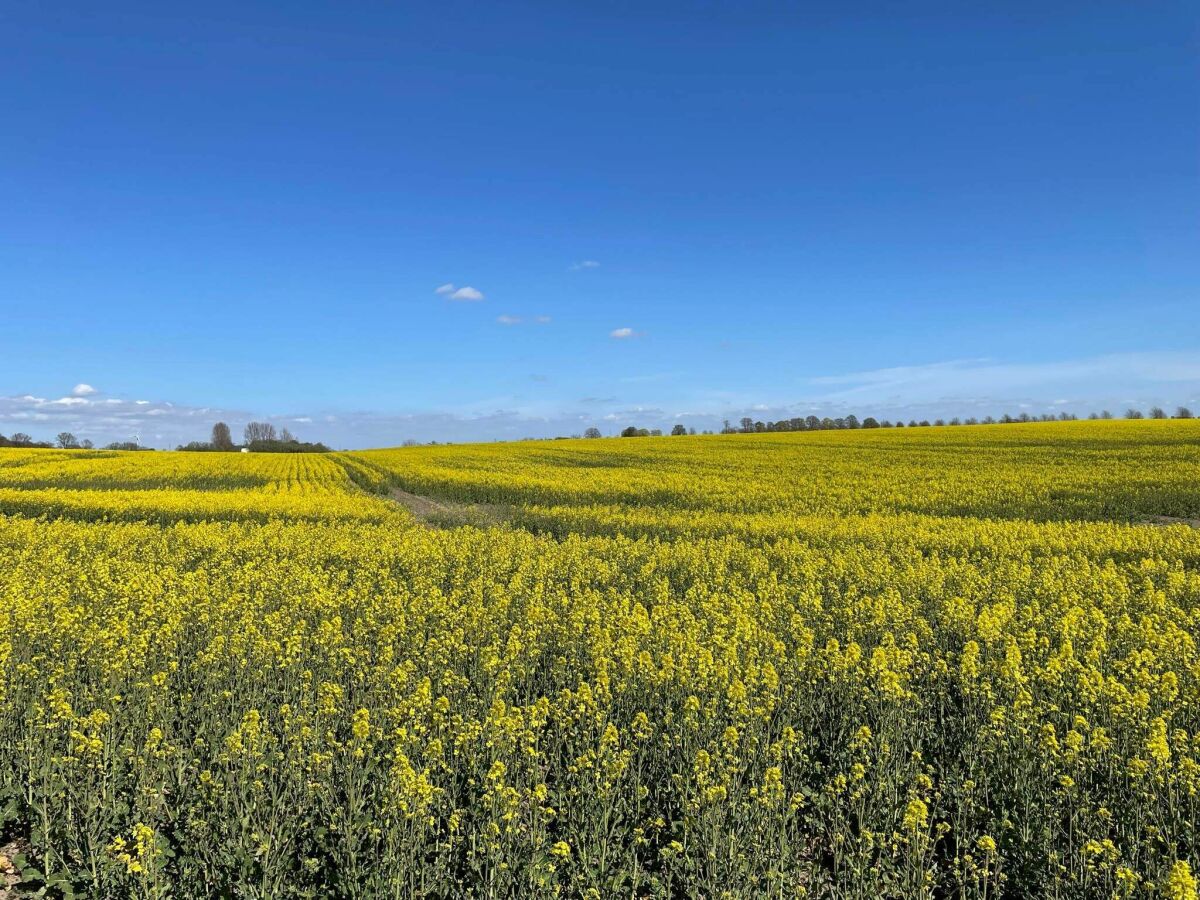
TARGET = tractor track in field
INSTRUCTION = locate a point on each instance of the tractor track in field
(1163, 521)
(448, 513)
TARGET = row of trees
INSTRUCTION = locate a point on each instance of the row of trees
(632, 431)
(748, 425)
(261, 437)
(258, 437)
(812, 423)
(65, 440)
(20, 439)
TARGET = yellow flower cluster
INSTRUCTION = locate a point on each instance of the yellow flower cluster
(918, 663)
(184, 487)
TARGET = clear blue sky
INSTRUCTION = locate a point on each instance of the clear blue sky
(247, 209)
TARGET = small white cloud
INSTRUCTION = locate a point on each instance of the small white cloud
(445, 289)
(542, 320)
(142, 402)
(585, 264)
(83, 390)
(622, 333)
(509, 320)
(468, 294)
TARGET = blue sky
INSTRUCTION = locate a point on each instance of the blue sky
(664, 212)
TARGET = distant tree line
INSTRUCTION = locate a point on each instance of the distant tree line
(748, 425)
(64, 441)
(20, 439)
(261, 437)
(258, 437)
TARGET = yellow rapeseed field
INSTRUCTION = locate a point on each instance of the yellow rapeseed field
(934, 662)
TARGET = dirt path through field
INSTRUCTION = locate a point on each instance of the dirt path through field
(1171, 520)
(448, 513)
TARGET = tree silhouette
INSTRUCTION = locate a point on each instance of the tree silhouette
(221, 438)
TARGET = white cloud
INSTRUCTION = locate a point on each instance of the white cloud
(83, 390)
(466, 293)
(113, 419)
(509, 320)
(542, 320)
(937, 390)
(622, 333)
(585, 264)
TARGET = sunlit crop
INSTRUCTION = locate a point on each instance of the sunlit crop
(921, 663)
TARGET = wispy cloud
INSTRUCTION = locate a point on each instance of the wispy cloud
(651, 377)
(508, 319)
(963, 387)
(1110, 377)
(444, 289)
(585, 264)
(623, 334)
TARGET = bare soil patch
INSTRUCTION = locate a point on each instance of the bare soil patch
(448, 513)
(10, 877)
(1171, 520)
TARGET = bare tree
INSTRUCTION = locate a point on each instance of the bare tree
(592, 432)
(87, 444)
(1183, 413)
(1157, 412)
(286, 436)
(221, 438)
(67, 441)
(20, 438)
(259, 431)
(678, 430)
(1133, 413)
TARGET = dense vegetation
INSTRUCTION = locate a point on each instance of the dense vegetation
(903, 663)
(260, 437)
